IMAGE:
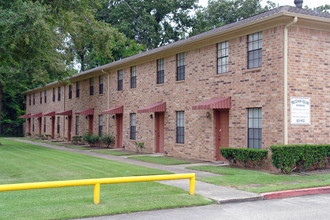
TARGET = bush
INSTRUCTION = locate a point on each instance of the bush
(245, 156)
(91, 139)
(76, 139)
(107, 140)
(139, 146)
(288, 158)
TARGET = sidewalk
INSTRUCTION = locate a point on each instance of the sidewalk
(219, 194)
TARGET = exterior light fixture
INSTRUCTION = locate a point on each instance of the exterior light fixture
(151, 116)
(207, 114)
(113, 117)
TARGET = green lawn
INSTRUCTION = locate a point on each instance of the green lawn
(160, 160)
(113, 152)
(78, 147)
(23, 162)
(259, 182)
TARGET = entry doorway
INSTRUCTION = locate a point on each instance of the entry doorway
(53, 127)
(40, 124)
(221, 131)
(119, 127)
(69, 127)
(90, 123)
(159, 131)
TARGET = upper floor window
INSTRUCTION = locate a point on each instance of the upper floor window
(30, 99)
(40, 97)
(254, 50)
(34, 99)
(133, 77)
(132, 135)
(180, 66)
(100, 125)
(70, 91)
(254, 128)
(91, 86)
(45, 93)
(180, 127)
(77, 89)
(59, 94)
(53, 94)
(222, 57)
(160, 71)
(120, 80)
(101, 84)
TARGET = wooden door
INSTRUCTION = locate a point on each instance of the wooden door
(91, 120)
(53, 127)
(159, 132)
(29, 124)
(69, 127)
(221, 131)
(40, 124)
(119, 126)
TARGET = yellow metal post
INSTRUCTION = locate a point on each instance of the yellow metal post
(97, 189)
(192, 185)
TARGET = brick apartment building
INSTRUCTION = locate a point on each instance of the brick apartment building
(261, 81)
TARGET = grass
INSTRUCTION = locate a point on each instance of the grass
(113, 152)
(160, 160)
(258, 181)
(24, 162)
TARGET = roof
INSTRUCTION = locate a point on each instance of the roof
(114, 110)
(283, 10)
(214, 103)
(156, 107)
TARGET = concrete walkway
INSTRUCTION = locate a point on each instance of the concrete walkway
(219, 194)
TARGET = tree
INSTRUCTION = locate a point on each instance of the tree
(321, 8)
(151, 23)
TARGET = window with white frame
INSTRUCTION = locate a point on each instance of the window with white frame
(77, 125)
(254, 50)
(180, 66)
(254, 128)
(132, 135)
(222, 57)
(101, 84)
(180, 127)
(160, 71)
(120, 80)
(100, 125)
(133, 77)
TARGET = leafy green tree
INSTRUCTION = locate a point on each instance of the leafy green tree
(151, 22)
(321, 8)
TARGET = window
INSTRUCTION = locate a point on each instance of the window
(254, 128)
(70, 91)
(40, 97)
(180, 66)
(59, 94)
(58, 125)
(180, 127)
(132, 135)
(120, 80)
(100, 125)
(77, 125)
(53, 94)
(133, 77)
(34, 99)
(45, 93)
(30, 99)
(91, 86)
(254, 50)
(77, 89)
(222, 57)
(32, 124)
(160, 71)
(101, 84)
(44, 124)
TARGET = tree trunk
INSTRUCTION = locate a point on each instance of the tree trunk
(0, 105)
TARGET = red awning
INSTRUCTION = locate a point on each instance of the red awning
(89, 111)
(158, 107)
(114, 110)
(52, 114)
(214, 103)
(36, 115)
(68, 112)
(25, 116)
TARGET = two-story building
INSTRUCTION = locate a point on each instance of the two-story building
(254, 83)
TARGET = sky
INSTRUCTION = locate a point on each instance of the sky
(309, 3)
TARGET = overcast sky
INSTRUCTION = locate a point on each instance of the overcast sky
(309, 3)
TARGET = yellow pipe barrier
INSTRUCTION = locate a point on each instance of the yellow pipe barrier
(98, 182)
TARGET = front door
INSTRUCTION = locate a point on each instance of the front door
(90, 127)
(69, 127)
(221, 131)
(53, 127)
(159, 131)
(29, 124)
(40, 124)
(119, 125)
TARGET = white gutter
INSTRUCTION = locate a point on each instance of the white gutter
(285, 84)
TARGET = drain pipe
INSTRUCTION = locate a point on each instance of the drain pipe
(285, 66)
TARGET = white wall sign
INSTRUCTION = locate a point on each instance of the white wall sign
(300, 111)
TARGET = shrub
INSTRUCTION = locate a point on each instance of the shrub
(91, 139)
(245, 156)
(288, 158)
(107, 140)
(77, 139)
(139, 146)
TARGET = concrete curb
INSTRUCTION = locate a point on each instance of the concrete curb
(296, 192)
(238, 200)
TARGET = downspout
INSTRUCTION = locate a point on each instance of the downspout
(285, 66)
(108, 101)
